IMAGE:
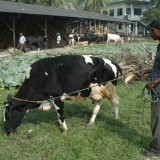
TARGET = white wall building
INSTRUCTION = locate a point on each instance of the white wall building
(131, 10)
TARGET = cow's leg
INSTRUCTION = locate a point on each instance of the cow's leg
(97, 106)
(108, 41)
(59, 105)
(109, 92)
(115, 102)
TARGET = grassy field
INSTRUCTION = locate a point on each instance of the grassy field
(39, 136)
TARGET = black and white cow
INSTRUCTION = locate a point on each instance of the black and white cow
(51, 81)
(91, 37)
(38, 41)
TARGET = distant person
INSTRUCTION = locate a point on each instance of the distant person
(72, 31)
(71, 40)
(58, 40)
(22, 42)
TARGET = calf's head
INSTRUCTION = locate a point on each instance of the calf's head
(12, 115)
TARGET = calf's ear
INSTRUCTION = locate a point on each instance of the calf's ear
(9, 98)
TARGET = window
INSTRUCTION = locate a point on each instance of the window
(111, 12)
(120, 27)
(119, 12)
(137, 11)
(128, 11)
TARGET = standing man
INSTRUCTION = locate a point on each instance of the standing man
(58, 40)
(154, 87)
(22, 42)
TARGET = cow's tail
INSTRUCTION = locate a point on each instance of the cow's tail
(129, 77)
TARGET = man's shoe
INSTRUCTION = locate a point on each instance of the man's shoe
(150, 152)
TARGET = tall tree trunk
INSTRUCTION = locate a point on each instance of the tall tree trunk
(94, 6)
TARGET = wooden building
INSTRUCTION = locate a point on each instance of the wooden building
(34, 20)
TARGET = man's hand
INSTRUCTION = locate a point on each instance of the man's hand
(139, 73)
(151, 85)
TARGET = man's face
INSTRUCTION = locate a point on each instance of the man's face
(155, 33)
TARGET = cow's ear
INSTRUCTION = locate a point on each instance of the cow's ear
(9, 98)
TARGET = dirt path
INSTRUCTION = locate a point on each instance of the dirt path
(9, 52)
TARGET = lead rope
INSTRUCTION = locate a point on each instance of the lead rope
(152, 99)
(155, 95)
(53, 98)
(146, 100)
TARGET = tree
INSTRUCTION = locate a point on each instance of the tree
(155, 3)
(58, 3)
(152, 13)
(55, 3)
(88, 5)
(92, 5)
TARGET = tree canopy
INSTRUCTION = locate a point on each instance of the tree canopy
(96, 6)
(152, 13)
(55, 3)
(92, 5)
(88, 5)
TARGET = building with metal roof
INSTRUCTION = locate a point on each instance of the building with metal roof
(22, 8)
(16, 17)
(131, 10)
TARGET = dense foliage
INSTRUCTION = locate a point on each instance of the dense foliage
(88, 5)
(152, 13)
(14, 67)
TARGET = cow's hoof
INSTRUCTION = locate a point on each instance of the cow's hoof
(89, 124)
(64, 132)
(116, 117)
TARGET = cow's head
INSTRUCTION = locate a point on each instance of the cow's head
(12, 115)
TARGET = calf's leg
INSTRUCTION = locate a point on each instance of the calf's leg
(109, 92)
(97, 106)
(115, 102)
(59, 106)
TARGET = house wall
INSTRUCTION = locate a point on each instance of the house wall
(129, 11)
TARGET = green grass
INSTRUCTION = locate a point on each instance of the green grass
(39, 136)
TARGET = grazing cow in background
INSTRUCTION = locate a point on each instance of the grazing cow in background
(77, 38)
(114, 37)
(51, 81)
(37, 41)
(91, 37)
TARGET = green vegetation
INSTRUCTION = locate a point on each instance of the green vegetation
(39, 136)
(149, 14)
(14, 68)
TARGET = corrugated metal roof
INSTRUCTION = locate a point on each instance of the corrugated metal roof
(22, 8)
